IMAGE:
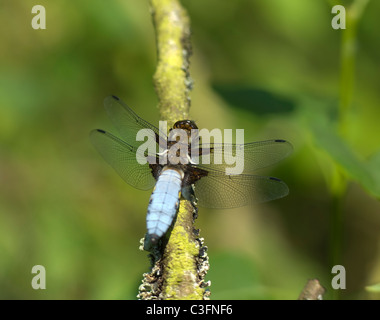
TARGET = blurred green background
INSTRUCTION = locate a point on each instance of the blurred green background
(272, 67)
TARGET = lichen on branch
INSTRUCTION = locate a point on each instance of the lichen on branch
(179, 261)
(172, 78)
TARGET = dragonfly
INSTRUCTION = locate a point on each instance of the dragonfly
(205, 184)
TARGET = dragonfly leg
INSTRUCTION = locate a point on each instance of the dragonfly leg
(189, 194)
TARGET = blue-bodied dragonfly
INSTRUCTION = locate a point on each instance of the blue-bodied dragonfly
(208, 184)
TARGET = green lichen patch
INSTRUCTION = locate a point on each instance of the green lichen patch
(181, 280)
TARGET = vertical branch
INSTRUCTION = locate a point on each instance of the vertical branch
(348, 57)
(348, 60)
(347, 83)
(172, 78)
(180, 264)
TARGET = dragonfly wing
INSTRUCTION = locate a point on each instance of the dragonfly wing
(254, 156)
(127, 121)
(122, 157)
(218, 190)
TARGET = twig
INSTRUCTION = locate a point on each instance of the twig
(312, 291)
(172, 78)
(180, 262)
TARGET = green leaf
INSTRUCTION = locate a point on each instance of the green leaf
(327, 138)
(255, 100)
(325, 134)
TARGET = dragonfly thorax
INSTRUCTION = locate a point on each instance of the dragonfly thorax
(179, 142)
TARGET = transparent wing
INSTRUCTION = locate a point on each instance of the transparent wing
(256, 155)
(218, 190)
(122, 157)
(127, 122)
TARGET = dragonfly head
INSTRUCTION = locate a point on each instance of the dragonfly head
(185, 125)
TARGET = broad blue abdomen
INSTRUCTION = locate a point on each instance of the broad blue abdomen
(164, 202)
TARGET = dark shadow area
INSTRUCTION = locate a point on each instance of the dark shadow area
(258, 101)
